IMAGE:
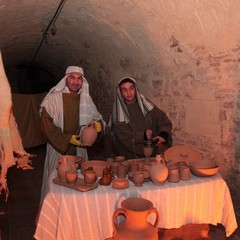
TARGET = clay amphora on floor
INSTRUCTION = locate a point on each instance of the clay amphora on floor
(136, 225)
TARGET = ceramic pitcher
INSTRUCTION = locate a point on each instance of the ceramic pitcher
(89, 135)
(158, 171)
(136, 225)
(64, 165)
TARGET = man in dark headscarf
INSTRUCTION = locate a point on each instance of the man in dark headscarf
(135, 119)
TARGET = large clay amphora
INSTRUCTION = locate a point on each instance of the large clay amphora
(65, 164)
(136, 225)
(158, 171)
(89, 135)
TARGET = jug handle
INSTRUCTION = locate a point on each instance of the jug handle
(154, 210)
(115, 215)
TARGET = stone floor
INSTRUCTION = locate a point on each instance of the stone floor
(17, 215)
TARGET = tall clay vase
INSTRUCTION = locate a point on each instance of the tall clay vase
(136, 225)
(158, 171)
(89, 135)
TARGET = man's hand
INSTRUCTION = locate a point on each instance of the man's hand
(75, 140)
(159, 140)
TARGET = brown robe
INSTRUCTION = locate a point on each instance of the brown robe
(57, 138)
(128, 138)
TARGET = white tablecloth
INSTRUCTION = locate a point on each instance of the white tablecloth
(68, 214)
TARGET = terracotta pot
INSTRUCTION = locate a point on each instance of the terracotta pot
(89, 135)
(136, 225)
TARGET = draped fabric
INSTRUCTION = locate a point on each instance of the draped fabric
(26, 112)
(70, 214)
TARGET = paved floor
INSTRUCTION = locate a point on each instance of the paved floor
(17, 215)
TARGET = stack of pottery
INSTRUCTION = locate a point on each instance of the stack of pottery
(158, 171)
(136, 225)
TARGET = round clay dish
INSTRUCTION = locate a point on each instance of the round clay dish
(182, 153)
(204, 172)
(205, 163)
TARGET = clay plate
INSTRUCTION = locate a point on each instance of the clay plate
(80, 185)
(97, 165)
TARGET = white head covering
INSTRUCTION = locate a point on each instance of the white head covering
(120, 112)
(87, 108)
(72, 69)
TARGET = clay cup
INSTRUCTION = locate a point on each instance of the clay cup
(71, 176)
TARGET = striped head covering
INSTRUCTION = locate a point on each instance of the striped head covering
(120, 112)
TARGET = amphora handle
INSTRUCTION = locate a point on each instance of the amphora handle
(154, 210)
(119, 211)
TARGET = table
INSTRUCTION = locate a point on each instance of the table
(73, 215)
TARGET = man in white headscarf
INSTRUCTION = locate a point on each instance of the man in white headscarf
(135, 119)
(65, 111)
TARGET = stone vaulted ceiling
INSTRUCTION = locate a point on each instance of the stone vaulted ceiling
(184, 55)
(112, 36)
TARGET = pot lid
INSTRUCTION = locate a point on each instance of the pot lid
(182, 153)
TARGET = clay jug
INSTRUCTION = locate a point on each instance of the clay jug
(136, 225)
(158, 171)
(107, 177)
(63, 166)
(89, 135)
